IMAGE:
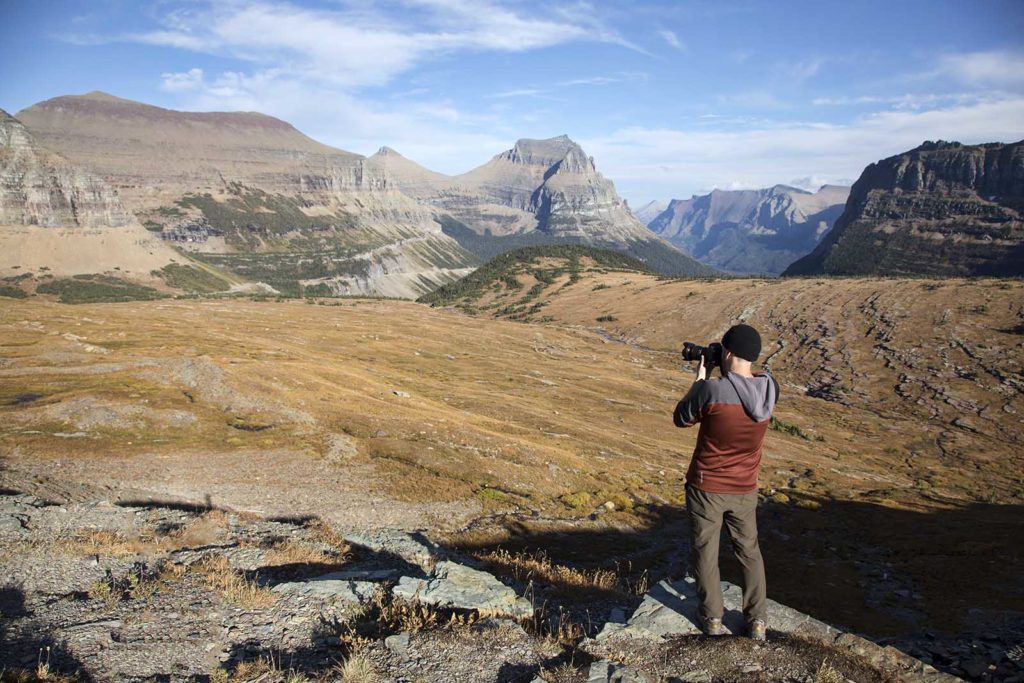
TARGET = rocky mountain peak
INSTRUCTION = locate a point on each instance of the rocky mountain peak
(559, 151)
(386, 151)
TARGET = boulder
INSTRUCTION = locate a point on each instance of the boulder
(671, 609)
(459, 586)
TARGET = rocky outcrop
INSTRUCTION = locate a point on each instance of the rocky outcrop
(942, 209)
(38, 187)
(751, 231)
(282, 208)
(540, 191)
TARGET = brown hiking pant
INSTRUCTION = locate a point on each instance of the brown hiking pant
(707, 511)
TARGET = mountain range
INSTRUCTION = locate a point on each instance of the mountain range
(538, 192)
(941, 209)
(751, 232)
(251, 196)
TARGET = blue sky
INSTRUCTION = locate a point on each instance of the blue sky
(671, 98)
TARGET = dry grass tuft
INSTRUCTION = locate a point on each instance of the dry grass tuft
(323, 532)
(292, 551)
(403, 615)
(527, 568)
(826, 673)
(358, 669)
(235, 588)
(41, 674)
(563, 673)
(99, 542)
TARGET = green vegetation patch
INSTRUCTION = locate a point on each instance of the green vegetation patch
(12, 292)
(91, 289)
(192, 279)
(250, 217)
(777, 425)
(504, 267)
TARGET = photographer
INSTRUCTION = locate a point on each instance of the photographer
(721, 483)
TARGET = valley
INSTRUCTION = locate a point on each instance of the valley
(895, 449)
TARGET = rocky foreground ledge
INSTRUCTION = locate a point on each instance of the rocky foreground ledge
(167, 591)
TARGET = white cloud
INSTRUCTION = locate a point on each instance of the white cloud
(907, 101)
(672, 39)
(999, 68)
(665, 162)
(182, 81)
(356, 45)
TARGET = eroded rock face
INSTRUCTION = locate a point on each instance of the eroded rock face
(233, 184)
(751, 231)
(540, 191)
(40, 188)
(942, 209)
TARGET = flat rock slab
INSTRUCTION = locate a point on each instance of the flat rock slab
(459, 586)
(413, 547)
(671, 609)
(345, 590)
(604, 671)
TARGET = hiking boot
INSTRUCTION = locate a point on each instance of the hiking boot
(758, 630)
(714, 627)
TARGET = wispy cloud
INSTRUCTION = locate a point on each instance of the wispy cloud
(183, 81)
(907, 101)
(672, 39)
(549, 93)
(356, 45)
(1001, 68)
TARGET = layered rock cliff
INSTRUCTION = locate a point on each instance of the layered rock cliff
(251, 194)
(59, 218)
(751, 231)
(941, 209)
(38, 187)
(540, 191)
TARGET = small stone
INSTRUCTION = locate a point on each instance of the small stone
(974, 667)
(398, 644)
(401, 394)
(609, 505)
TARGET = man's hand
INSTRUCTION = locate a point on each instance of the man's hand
(702, 371)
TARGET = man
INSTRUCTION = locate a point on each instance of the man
(721, 483)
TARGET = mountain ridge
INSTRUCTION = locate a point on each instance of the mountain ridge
(940, 209)
(751, 231)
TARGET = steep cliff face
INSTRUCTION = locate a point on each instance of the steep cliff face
(251, 194)
(538, 192)
(58, 218)
(38, 187)
(751, 231)
(941, 209)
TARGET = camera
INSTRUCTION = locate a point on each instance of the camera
(712, 353)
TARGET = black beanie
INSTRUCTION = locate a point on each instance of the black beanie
(743, 341)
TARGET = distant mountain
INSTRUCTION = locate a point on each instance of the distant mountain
(649, 211)
(942, 209)
(751, 231)
(251, 194)
(59, 218)
(538, 192)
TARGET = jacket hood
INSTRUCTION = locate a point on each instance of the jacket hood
(758, 394)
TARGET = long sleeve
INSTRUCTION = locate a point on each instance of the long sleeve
(690, 410)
